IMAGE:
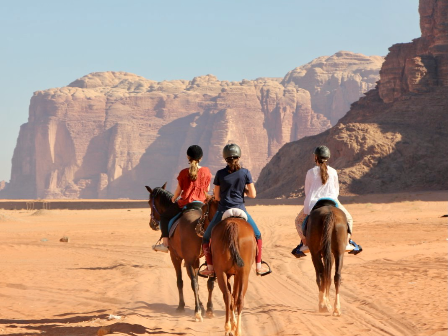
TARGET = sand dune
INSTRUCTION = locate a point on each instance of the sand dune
(397, 286)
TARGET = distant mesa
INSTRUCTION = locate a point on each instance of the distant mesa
(394, 138)
(108, 134)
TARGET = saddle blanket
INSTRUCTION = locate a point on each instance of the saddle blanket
(172, 225)
(234, 212)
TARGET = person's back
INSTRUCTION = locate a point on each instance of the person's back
(315, 189)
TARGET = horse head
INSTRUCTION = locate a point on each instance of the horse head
(158, 201)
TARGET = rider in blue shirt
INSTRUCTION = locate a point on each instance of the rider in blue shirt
(231, 184)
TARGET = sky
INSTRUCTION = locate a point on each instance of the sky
(46, 44)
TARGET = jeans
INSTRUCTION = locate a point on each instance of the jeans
(217, 218)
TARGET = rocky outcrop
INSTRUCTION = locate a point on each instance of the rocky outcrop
(392, 139)
(337, 81)
(107, 134)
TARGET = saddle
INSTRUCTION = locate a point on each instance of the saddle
(234, 212)
(319, 204)
(193, 206)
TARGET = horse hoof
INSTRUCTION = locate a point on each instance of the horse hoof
(198, 317)
(323, 310)
(337, 313)
(180, 309)
(210, 314)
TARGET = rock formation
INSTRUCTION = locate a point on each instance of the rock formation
(394, 139)
(108, 134)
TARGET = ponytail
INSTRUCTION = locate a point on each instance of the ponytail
(193, 171)
(323, 169)
(233, 163)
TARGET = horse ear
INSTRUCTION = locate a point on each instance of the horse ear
(149, 189)
(163, 187)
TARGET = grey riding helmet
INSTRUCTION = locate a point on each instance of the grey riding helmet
(322, 152)
(231, 150)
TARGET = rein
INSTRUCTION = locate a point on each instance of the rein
(200, 225)
(154, 223)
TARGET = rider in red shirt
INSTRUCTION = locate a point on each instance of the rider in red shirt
(193, 185)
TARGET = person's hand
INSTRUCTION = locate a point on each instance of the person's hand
(173, 199)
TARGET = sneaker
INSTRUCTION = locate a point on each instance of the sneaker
(304, 248)
(160, 248)
(263, 270)
(296, 252)
(349, 248)
(207, 273)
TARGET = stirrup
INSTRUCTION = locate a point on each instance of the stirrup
(265, 273)
(357, 249)
(205, 276)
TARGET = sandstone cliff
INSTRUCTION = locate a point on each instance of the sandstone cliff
(108, 134)
(394, 139)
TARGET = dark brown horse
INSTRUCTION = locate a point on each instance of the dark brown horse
(233, 248)
(326, 236)
(185, 245)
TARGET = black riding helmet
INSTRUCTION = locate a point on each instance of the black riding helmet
(322, 152)
(195, 152)
(231, 150)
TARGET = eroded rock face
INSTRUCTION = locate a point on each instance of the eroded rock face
(337, 81)
(108, 134)
(392, 140)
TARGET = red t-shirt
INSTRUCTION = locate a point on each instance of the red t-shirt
(193, 190)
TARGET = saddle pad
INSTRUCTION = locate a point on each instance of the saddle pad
(234, 212)
(323, 202)
(173, 225)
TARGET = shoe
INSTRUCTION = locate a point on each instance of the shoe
(263, 270)
(349, 248)
(160, 248)
(207, 273)
(297, 252)
(356, 248)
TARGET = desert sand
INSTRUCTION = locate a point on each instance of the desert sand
(396, 286)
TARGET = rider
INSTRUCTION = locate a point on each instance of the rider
(231, 184)
(321, 182)
(193, 184)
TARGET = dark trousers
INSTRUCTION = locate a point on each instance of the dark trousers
(165, 217)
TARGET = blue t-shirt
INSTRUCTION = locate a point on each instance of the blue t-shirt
(232, 187)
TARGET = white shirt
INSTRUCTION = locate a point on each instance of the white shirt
(314, 189)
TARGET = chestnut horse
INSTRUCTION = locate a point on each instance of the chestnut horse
(326, 236)
(233, 249)
(185, 244)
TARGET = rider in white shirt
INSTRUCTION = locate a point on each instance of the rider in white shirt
(321, 182)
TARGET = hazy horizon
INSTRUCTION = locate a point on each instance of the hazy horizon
(50, 44)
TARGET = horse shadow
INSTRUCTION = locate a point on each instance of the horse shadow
(60, 326)
(163, 308)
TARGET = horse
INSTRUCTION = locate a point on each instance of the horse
(233, 247)
(185, 245)
(326, 236)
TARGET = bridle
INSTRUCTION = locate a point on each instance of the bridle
(154, 223)
(200, 225)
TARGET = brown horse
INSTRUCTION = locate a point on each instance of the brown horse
(185, 244)
(233, 248)
(327, 238)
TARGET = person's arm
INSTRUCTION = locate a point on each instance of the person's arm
(250, 190)
(308, 182)
(176, 193)
(216, 192)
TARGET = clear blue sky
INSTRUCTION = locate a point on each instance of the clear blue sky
(48, 44)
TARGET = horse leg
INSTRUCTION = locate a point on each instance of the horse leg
(223, 285)
(337, 282)
(195, 286)
(210, 287)
(180, 284)
(240, 289)
(232, 303)
(319, 268)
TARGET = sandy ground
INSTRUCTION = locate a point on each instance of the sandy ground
(396, 286)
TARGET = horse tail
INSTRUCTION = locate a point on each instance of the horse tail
(329, 222)
(231, 236)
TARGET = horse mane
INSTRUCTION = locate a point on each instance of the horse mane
(164, 196)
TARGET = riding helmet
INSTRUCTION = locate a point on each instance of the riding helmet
(231, 150)
(322, 152)
(195, 152)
